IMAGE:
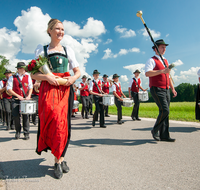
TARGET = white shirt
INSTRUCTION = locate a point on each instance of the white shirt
(10, 81)
(91, 84)
(79, 85)
(1, 84)
(114, 86)
(198, 73)
(70, 54)
(150, 64)
(131, 82)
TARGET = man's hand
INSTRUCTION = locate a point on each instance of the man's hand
(20, 98)
(174, 92)
(166, 70)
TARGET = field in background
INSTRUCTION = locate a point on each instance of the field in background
(180, 111)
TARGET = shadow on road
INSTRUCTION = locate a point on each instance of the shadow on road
(174, 129)
(115, 142)
(24, 169)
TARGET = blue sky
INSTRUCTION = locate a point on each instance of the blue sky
(106, 34)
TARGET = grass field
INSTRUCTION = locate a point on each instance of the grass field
(180, 111)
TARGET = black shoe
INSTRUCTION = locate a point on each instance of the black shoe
(133, 118)
(138, 119)
(103, 126)
(107, 116)
(91, 113)
(93, 123)
(8, 128)
(58, 172)
(119, 122)
(64, 166)
(122, 121)
(73, 115)
(17, 135)
(26, 137)
(3, 124)
(76, 113)
(83, 117)
(168, 140)
(12, 127)
(34, 123)
(86, 117)
(155, 136)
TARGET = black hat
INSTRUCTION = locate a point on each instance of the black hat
(84, 77)
(136, 71)
(96, 72)
(159, 42)
(115, 76)
(7, 71)
(106, 76)
(89, 79)
(20, 65)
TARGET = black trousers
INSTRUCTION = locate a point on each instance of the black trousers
(35, 97)
(8, 109)
(119, 108)
(3, 113)
(90, 103)
(99, 108)
(106, 110)
(136, 105)
(17, 118)
(162, 99)
(85, 105)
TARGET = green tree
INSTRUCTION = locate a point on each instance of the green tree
(3, 62)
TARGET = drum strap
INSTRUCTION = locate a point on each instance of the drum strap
(136, 81)
(21, 87)
(118, 88)
(97, 86)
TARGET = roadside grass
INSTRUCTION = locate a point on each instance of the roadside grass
(180, 111)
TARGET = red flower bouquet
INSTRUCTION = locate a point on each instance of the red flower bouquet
(41, 65)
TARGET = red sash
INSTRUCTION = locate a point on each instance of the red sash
(53, 111)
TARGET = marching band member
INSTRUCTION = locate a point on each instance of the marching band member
(2, 110)
(7, 100)
(90, 97)
(35, 94)
(56, 101)
(84, 94)
(197, 107)
(74, 110)
(20, 86)
(105, 87)
(117, 92)
(159, 83)
(133, 89)
(96, 90)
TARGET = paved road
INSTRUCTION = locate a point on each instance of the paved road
(118, 157)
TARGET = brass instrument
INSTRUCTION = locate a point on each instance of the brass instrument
(36, 87)
(7, 91)
(110, 81)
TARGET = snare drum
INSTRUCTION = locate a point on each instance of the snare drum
(28, 107)
(143, 96)
(108, 100)
(127, 102)
(76, 104)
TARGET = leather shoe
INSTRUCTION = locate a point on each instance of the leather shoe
(155, 136)
(34, 123)
(7, 128)
(168, 140)
(119, 122)
(103, 126)
(133, 118)
(58, 172)
(26, 137)
(138, 119)
(91, 113)
(17, 135)
(107, 116)
(64, 166)
(93, 123)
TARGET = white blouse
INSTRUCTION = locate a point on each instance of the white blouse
(70, 54)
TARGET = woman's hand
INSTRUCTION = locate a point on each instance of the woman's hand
(52, 80)
(70, 80)
(28, 98)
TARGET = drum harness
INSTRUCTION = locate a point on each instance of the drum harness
(21, 87)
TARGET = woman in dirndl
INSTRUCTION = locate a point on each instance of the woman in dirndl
(56, 101)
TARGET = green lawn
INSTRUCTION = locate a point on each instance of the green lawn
(181, 111)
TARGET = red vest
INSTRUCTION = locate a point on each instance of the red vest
(106, 87)
(162, 80)
(135, 87)
(34, 92)
(16, 87)
(95, 89)
(118, 90)
(84, 91)
(5, 95)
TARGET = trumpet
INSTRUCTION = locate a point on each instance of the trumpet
(110, 81)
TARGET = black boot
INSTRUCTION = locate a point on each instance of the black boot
(58, 171)
(64, 166)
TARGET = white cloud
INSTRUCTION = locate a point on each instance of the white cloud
(108, 41)
(132, 68)
(153, 33)
(92, 28)
(125, 33)
(109, 54)
(167, 35)
(9, 43)
(123, 78)
(192, 71)
(178, 62)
